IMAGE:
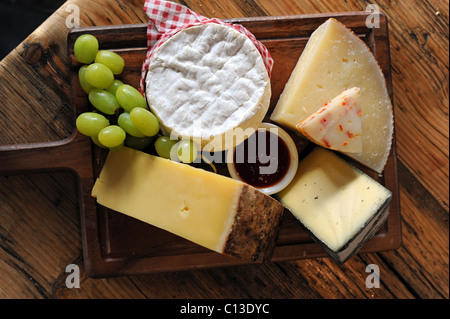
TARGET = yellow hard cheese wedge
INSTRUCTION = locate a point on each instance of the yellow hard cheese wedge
(337, 125)
(340, 206)
(214, 211)
(335, 59)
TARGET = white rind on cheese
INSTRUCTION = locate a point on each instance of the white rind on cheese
(205, 81)
(214, 211)
(337, 125)
(339, 205)
(335, 59)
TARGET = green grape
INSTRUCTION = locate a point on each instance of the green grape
(112, 136)
(84, 84)
(85, 48)
(111, 59)
(113, 88)
(104, 101)
(164, 145)
(97, 142)
(187, 151)
(130, 98)
(144, 121)
(124, 122)
(99, 75)
(138, 143)
(90, 123)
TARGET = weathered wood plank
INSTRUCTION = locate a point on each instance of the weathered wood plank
(39, 228)
(420, 78)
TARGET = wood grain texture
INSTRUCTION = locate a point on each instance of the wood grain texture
(39, 220)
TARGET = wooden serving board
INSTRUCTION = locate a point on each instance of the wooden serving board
(115, 244)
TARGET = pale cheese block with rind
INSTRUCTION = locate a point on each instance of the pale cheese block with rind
(335, 59)
(336, 125)
(206, 81)
(340, 206)
(211, 210)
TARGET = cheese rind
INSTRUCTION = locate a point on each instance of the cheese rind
(337, 125)
(335, 59)
(205, 81)
(208, 209)
(340, 206)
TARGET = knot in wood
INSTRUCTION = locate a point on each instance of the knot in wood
(33, 53)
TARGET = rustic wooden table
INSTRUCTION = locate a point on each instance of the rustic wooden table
(39, 212)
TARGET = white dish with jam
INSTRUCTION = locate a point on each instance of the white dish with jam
(266, 160)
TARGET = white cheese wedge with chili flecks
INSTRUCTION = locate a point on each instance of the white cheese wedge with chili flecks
(336, 125)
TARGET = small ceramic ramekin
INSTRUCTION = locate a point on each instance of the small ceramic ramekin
(293, 163)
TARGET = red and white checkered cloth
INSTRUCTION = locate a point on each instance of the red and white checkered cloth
(167, 18)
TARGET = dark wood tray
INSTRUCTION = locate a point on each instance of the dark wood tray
(115, 244)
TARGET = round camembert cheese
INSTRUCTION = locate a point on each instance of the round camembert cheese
(205, 82)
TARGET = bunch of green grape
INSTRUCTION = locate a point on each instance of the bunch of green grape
(135, 126)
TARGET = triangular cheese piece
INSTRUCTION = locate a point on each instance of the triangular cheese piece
(336, 125)
(335, 59)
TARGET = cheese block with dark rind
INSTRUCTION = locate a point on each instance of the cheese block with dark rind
(339, 206)
(212, 210)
